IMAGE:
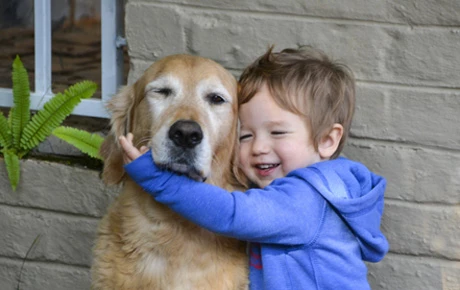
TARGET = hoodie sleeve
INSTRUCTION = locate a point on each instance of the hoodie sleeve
(280, 214)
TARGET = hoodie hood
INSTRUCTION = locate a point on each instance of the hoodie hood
(357, 195)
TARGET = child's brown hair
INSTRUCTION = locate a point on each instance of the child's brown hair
(306, 82)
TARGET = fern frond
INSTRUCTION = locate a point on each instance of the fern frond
(10, 117)
(54, 112)
(85, 89)
(20, 116)
(6, 139)
(84, 141)
(12, 167)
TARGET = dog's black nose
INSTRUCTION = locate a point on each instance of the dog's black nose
(186, 134)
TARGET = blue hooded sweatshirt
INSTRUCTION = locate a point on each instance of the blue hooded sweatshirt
(309, 230)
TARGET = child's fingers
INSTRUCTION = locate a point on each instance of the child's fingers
(130, 138)
(127, 145)
(123, 141)
(143, 149)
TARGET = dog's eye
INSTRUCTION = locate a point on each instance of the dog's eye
(215, 99)
(163, 91)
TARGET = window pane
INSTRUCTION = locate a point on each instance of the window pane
(16, 38)
(76, 43)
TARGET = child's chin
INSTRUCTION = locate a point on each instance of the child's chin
(263, 183)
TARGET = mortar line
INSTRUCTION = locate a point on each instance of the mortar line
(42, 263)
(425, 258)
(49, 211)
(404, 144)
(412, 87)
(431, 204)
(303, 17)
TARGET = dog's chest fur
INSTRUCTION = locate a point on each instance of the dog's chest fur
(160, 250)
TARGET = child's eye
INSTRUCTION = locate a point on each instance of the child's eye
(278, 132)
(245, 136)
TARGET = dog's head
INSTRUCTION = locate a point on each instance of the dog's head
(185, 109)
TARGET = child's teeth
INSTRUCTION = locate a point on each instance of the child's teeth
(265, 166)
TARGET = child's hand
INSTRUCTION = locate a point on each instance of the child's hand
(130, 151)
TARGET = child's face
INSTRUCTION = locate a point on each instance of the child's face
(273, 141)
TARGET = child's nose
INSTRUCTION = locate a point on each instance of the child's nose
(260, 146)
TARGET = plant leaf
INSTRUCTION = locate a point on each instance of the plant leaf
(86, 142)
(20, 115)
(6, 138)
(54, 112)
(12, 167)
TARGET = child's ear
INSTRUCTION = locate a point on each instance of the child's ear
(329, 143)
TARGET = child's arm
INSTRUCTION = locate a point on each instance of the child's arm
(264, 215)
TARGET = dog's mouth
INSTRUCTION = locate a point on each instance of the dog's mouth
(185, 169)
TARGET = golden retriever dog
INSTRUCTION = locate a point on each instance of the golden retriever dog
(185, 109)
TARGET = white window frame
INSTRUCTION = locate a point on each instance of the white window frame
(111, 60)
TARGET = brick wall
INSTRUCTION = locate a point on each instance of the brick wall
(59, 206)
(406, 57)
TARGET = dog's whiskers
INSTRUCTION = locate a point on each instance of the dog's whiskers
(142, 141)
(216, 159)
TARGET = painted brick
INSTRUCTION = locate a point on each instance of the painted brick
(371, 112)
(408, 12)
(47, 276)
(57, 187)
(54, 145)
(243, 38)
(153, 32)
(412, 173)
(423, 116)
(415, 56)
(426, 12)
(62, 238)
(422, 230)
(414, 273)
(386, 54)
(137, 68)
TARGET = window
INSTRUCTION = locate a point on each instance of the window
(53, 59)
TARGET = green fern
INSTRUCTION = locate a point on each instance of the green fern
(86, 142)
(20, 116)
(6, 139)
(12, 167)
(19, 133)
(54, 112)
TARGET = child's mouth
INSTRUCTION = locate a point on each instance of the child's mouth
(266, 169)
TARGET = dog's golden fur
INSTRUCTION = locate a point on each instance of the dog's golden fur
(142, 244)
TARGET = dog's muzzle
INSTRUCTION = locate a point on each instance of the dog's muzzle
(185, 135)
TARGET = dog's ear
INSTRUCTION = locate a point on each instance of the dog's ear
(121, 107)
